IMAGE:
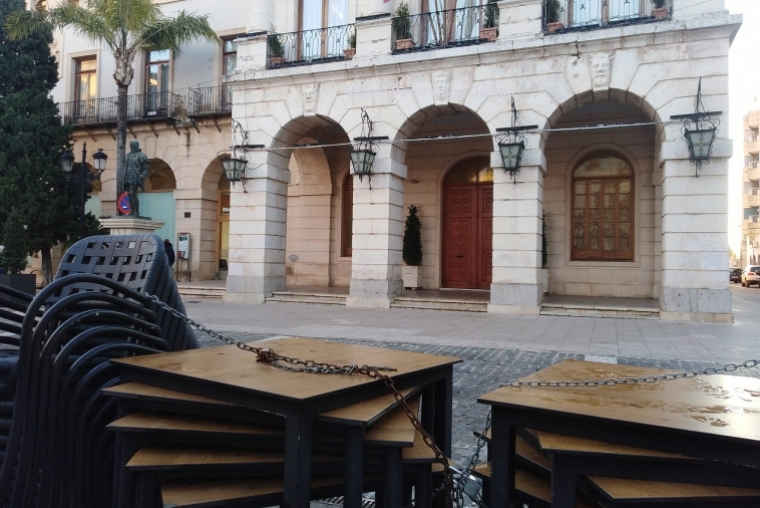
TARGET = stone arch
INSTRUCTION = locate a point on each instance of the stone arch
(157, 197)
(573, 102)
(160, 177)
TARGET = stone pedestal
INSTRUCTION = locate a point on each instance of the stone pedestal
(127, 225)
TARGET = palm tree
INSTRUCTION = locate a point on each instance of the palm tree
(126, 27)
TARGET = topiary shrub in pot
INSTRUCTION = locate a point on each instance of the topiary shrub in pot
(490, 30)
(412, 249)
(402, 26)
(552, 11)
(660, 9)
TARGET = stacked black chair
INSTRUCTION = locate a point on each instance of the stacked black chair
(57, 452)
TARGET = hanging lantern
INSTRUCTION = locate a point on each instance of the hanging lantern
(699, 131)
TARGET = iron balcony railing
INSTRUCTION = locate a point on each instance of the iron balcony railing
(440, 29)
(753, 164)
(211, 100)
(310, 46)
(139, 107)
(752, 137)
(568, 15)
(754, 218)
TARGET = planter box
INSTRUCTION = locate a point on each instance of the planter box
(24, 282)
(489, 34)
(660, 12)
(412, 276)
(276, 60)
(554, 27)
(349, 53)
(404, 44)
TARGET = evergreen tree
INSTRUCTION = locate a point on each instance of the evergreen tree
(412, 242)
(39, 206)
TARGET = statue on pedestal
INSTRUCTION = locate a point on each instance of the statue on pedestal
(135, 170)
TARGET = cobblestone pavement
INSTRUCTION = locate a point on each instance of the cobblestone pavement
(483, 370)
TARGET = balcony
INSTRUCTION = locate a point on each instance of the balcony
(752, 146)
(144, 107)
(444, 29)
(753, 171)
(751, 198)
(311, 46)
(209, 101)
(751, 223)
(575, 15)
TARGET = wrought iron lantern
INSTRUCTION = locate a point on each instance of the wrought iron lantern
(235, 163)
(699, 129)
(363, 155)
(512, 145)
(67, 161)
(99, 159)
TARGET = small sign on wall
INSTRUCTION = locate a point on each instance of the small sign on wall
(183, 246)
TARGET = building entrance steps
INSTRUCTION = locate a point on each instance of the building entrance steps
(599, 306)
(203, 288)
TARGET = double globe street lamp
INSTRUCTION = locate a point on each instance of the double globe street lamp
(67, 165)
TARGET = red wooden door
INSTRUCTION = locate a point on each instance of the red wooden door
(467, 236)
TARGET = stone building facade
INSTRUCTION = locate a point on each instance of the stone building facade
(605, 166)
(750, 247)
(605, 175)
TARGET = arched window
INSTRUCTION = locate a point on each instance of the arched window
(603, 209)
(347, 219)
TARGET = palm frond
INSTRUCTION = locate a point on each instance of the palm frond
(89, 23)
(171, 33)
(22, 24)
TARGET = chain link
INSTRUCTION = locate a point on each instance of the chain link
(291, 364)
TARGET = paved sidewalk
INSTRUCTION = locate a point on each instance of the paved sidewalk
(639, 338)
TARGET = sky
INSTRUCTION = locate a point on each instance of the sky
(744, 95)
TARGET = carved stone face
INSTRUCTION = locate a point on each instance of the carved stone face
(309, 97)
(600, 70)
(441, 87)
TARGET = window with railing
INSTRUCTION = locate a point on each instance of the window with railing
(754, 218)
(587, 14)
(157, 68)
(85, 87)
(753, 136)
(211, 100)
(753, 164)
(310, 46)
(469, 22)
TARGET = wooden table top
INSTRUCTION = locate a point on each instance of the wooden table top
(230, 366)
(718, 405)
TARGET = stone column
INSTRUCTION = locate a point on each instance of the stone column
(694, 233)
(258, 233)
(520, 18)
(373, 37)
(373, 7)
(260, 16)
(517, 209)
(377, 234)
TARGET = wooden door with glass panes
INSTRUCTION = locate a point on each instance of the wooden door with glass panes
(603, 209)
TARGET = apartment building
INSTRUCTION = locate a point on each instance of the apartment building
(594, 84)
(750, 248)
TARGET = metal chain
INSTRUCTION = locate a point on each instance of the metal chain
(291, 364)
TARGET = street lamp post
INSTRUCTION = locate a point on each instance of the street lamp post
(67, 165)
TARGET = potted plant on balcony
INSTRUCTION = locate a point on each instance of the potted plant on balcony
(276, 51)
(490, 31)
(659, 9)
(351, 50)
(412, 250)
(553, 24)
(402, 24)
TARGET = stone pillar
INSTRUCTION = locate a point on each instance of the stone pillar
(694, 234)
(516, 286)
(520, 18)
(373, 37)
(377, 234)
(260, 16)
(258, 233)
(373, 7)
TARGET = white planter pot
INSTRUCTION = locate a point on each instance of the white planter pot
(412, 276)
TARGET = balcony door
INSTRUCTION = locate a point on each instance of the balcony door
(317, 40)
(157, 82)
(447, 21)
(85, 88)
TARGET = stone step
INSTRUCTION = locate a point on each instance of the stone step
(306, 298)
(599, 311)
(201, 292)
(436, 304)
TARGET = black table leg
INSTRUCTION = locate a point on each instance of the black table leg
(298, 440)
(423, 486)
(393, 477)
(354, 472)
(502, 452)
(443, 400)
(563, 483)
